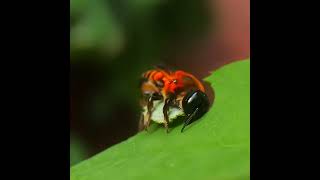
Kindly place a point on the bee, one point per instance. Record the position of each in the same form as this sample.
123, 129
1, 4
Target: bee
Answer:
175, 89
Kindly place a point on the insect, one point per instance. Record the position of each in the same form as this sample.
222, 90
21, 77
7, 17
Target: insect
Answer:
180, 93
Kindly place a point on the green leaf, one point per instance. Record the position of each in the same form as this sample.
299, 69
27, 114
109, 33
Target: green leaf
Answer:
215, 147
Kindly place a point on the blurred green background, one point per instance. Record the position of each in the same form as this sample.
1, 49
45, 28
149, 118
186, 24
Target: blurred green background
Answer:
114, 41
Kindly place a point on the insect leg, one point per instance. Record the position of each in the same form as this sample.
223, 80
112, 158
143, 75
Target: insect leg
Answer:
166, 106
149, 113
141, 124
149, 107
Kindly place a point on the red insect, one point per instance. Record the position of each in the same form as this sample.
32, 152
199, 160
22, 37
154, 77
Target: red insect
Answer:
175, 88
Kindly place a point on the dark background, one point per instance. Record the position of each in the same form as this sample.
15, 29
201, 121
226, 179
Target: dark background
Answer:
113, 42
